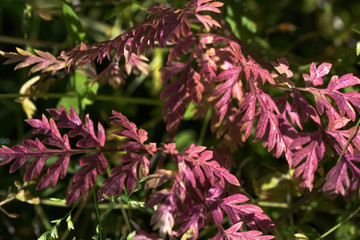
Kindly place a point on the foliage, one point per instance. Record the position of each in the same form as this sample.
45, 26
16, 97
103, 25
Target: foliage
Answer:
209, 69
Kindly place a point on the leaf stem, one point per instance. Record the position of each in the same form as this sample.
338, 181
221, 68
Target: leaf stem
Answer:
349, 140
296, 205
340, 223
104, 98
99, 227
126, 219
36, 43
204, 128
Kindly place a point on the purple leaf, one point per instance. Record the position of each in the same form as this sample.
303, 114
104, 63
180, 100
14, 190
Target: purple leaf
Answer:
87, 176
338, 181
163, 217
177, 100
44, 61
253, 71
231, 77
208, 21
125, 174
282, 66
56, 170
193, 219
316, 74
212, 169
234, 234
312, 153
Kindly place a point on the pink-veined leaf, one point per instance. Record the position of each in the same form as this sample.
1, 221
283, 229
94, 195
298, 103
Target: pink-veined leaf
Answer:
44, 61
163, 25
316, 74
231, 77
254, 72
203, 165
139, 136
125, 175
233, 233
207, 21
282, 66
338, 180
177, 97
163, 217
86, 130
192, 220
233, 206
344, 101
305, 160
206, 5
35, 149
306, 110
249, 107
87, 176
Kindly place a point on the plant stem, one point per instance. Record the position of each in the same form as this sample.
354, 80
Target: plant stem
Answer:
97, 215
75, 218
340, 223
44, 219
204, 128
126, 219
104, 98
349, 140
296, 205
36, 43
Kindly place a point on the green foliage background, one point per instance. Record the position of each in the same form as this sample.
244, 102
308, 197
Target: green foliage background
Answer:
302, 31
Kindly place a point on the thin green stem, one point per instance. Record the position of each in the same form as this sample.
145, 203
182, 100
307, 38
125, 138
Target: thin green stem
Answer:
44, 219
57, 203
104, 98
37, 95
349, 140
296, 205
126, 219
204, 127
99, 227
340, 223
142, 101
36, 43
291, 216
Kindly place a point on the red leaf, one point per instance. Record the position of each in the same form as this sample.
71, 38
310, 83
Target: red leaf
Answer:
234, 234
316, 74
44, 61
312, 153
212, 169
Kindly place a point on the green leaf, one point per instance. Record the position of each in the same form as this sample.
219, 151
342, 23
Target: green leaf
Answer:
67, 102
232, 21
44, 236
84, 89
54, 231
85, 92
131, 235
72, 22
358, 48
300, 236
184, 138
56, 221
70, 224
249, 24
189, 113
357, 28
134, 204
98, 228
